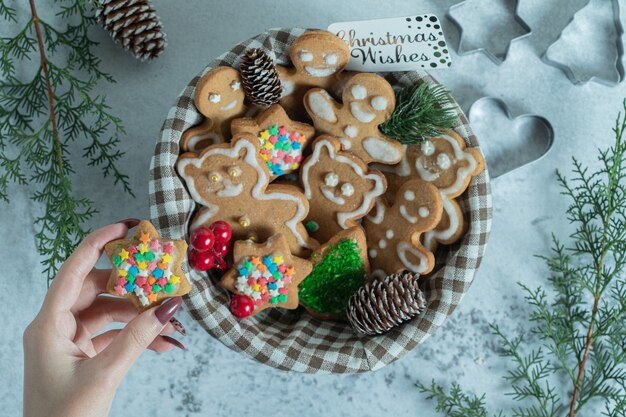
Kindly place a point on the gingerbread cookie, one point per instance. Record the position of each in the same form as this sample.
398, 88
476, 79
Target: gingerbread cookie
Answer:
267, 273
393, 232
339, 186
147, 267
282, 140
220, 98
318, 57
339, 269
368, 100
448, 164
231, 181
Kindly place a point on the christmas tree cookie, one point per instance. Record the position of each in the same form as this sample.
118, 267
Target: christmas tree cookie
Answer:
147, 267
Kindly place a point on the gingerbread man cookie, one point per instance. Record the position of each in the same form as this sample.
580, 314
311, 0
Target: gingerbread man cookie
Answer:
368, 100
339, 186
448, 164
393, 232
267, 273
231, 181
147, 267
220, 98
282, 140
318, 57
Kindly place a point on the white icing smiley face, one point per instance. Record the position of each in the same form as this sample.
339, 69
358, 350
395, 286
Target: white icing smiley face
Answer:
409, 210
365, 106
307, 55
226, 182
219, 93
333, 192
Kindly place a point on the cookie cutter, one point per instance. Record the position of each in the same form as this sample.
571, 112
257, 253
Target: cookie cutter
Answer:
508, 160
618, 65
497, 58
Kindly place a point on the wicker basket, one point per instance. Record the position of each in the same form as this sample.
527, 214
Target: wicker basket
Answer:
293, 340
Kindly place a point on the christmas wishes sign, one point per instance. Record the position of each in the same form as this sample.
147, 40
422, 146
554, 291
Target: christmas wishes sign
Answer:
394, 44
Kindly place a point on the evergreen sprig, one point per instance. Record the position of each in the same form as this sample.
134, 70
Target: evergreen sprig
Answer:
422, 112
44, 117
581, 319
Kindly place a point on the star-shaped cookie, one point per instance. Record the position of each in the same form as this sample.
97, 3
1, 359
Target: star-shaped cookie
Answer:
266, 272
147, 267
282, 139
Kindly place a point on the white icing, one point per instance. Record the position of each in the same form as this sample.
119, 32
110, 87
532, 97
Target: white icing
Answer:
424, 173
345, 143
360, 114
331, 59
320, 72
347, 190
389, 234
230, 189
305, 56
423, 211
287, 87
443, 161
380, 149
382, 243
351, 131
443, 235
380, 213
409, 195
330, 196
428, 148
358, 92
229, 106
235, 85
320, 104
214, 98
196, 139
258, 193
368, 196
379, 103
409, 218
331, 179
373, 253
403, 248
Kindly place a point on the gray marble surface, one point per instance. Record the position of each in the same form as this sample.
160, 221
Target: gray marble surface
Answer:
207, 378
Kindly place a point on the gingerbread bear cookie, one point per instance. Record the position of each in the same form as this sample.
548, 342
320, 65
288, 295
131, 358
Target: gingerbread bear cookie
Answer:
231, 181
368, 100
339, 186
220, 98
265, 275
448, 164
318, 58
282, 140
393, 232
147, 267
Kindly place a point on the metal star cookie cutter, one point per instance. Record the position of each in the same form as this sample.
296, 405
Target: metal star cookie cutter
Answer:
581, 77
502, 157
497, 57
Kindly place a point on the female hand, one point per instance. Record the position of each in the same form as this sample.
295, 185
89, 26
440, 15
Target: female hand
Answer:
67, 371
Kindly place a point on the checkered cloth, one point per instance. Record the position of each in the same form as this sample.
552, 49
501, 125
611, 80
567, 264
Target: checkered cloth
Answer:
291, 339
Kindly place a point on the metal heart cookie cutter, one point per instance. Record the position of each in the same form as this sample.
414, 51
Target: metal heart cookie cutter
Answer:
482, 39
588, 24
494, 124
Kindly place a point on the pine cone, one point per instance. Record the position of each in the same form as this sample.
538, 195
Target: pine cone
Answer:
379, 306
259, 78
135, 25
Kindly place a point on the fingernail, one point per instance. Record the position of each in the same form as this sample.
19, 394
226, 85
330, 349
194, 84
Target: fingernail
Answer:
174, 342
130, 222
167, 309
178, 326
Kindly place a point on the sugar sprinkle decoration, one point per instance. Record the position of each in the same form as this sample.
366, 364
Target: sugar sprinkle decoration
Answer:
281, 149
265, 279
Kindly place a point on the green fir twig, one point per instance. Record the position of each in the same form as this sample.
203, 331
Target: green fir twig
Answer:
41, 118
422, 112
581, 319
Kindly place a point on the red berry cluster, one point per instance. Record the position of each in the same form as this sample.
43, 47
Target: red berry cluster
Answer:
210, 245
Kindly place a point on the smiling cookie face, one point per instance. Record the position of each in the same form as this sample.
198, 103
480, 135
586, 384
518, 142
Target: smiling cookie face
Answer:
319, 54
219, 94
339, 187
370, 98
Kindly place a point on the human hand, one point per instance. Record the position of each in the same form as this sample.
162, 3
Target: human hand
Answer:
67, 371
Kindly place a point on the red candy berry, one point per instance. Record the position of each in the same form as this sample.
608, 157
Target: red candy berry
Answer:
202, 261
202, 239
221, 248
222, 231
219, 263
241, 306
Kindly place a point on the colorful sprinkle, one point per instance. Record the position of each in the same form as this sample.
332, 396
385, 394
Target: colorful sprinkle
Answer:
264, 279
280, 149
